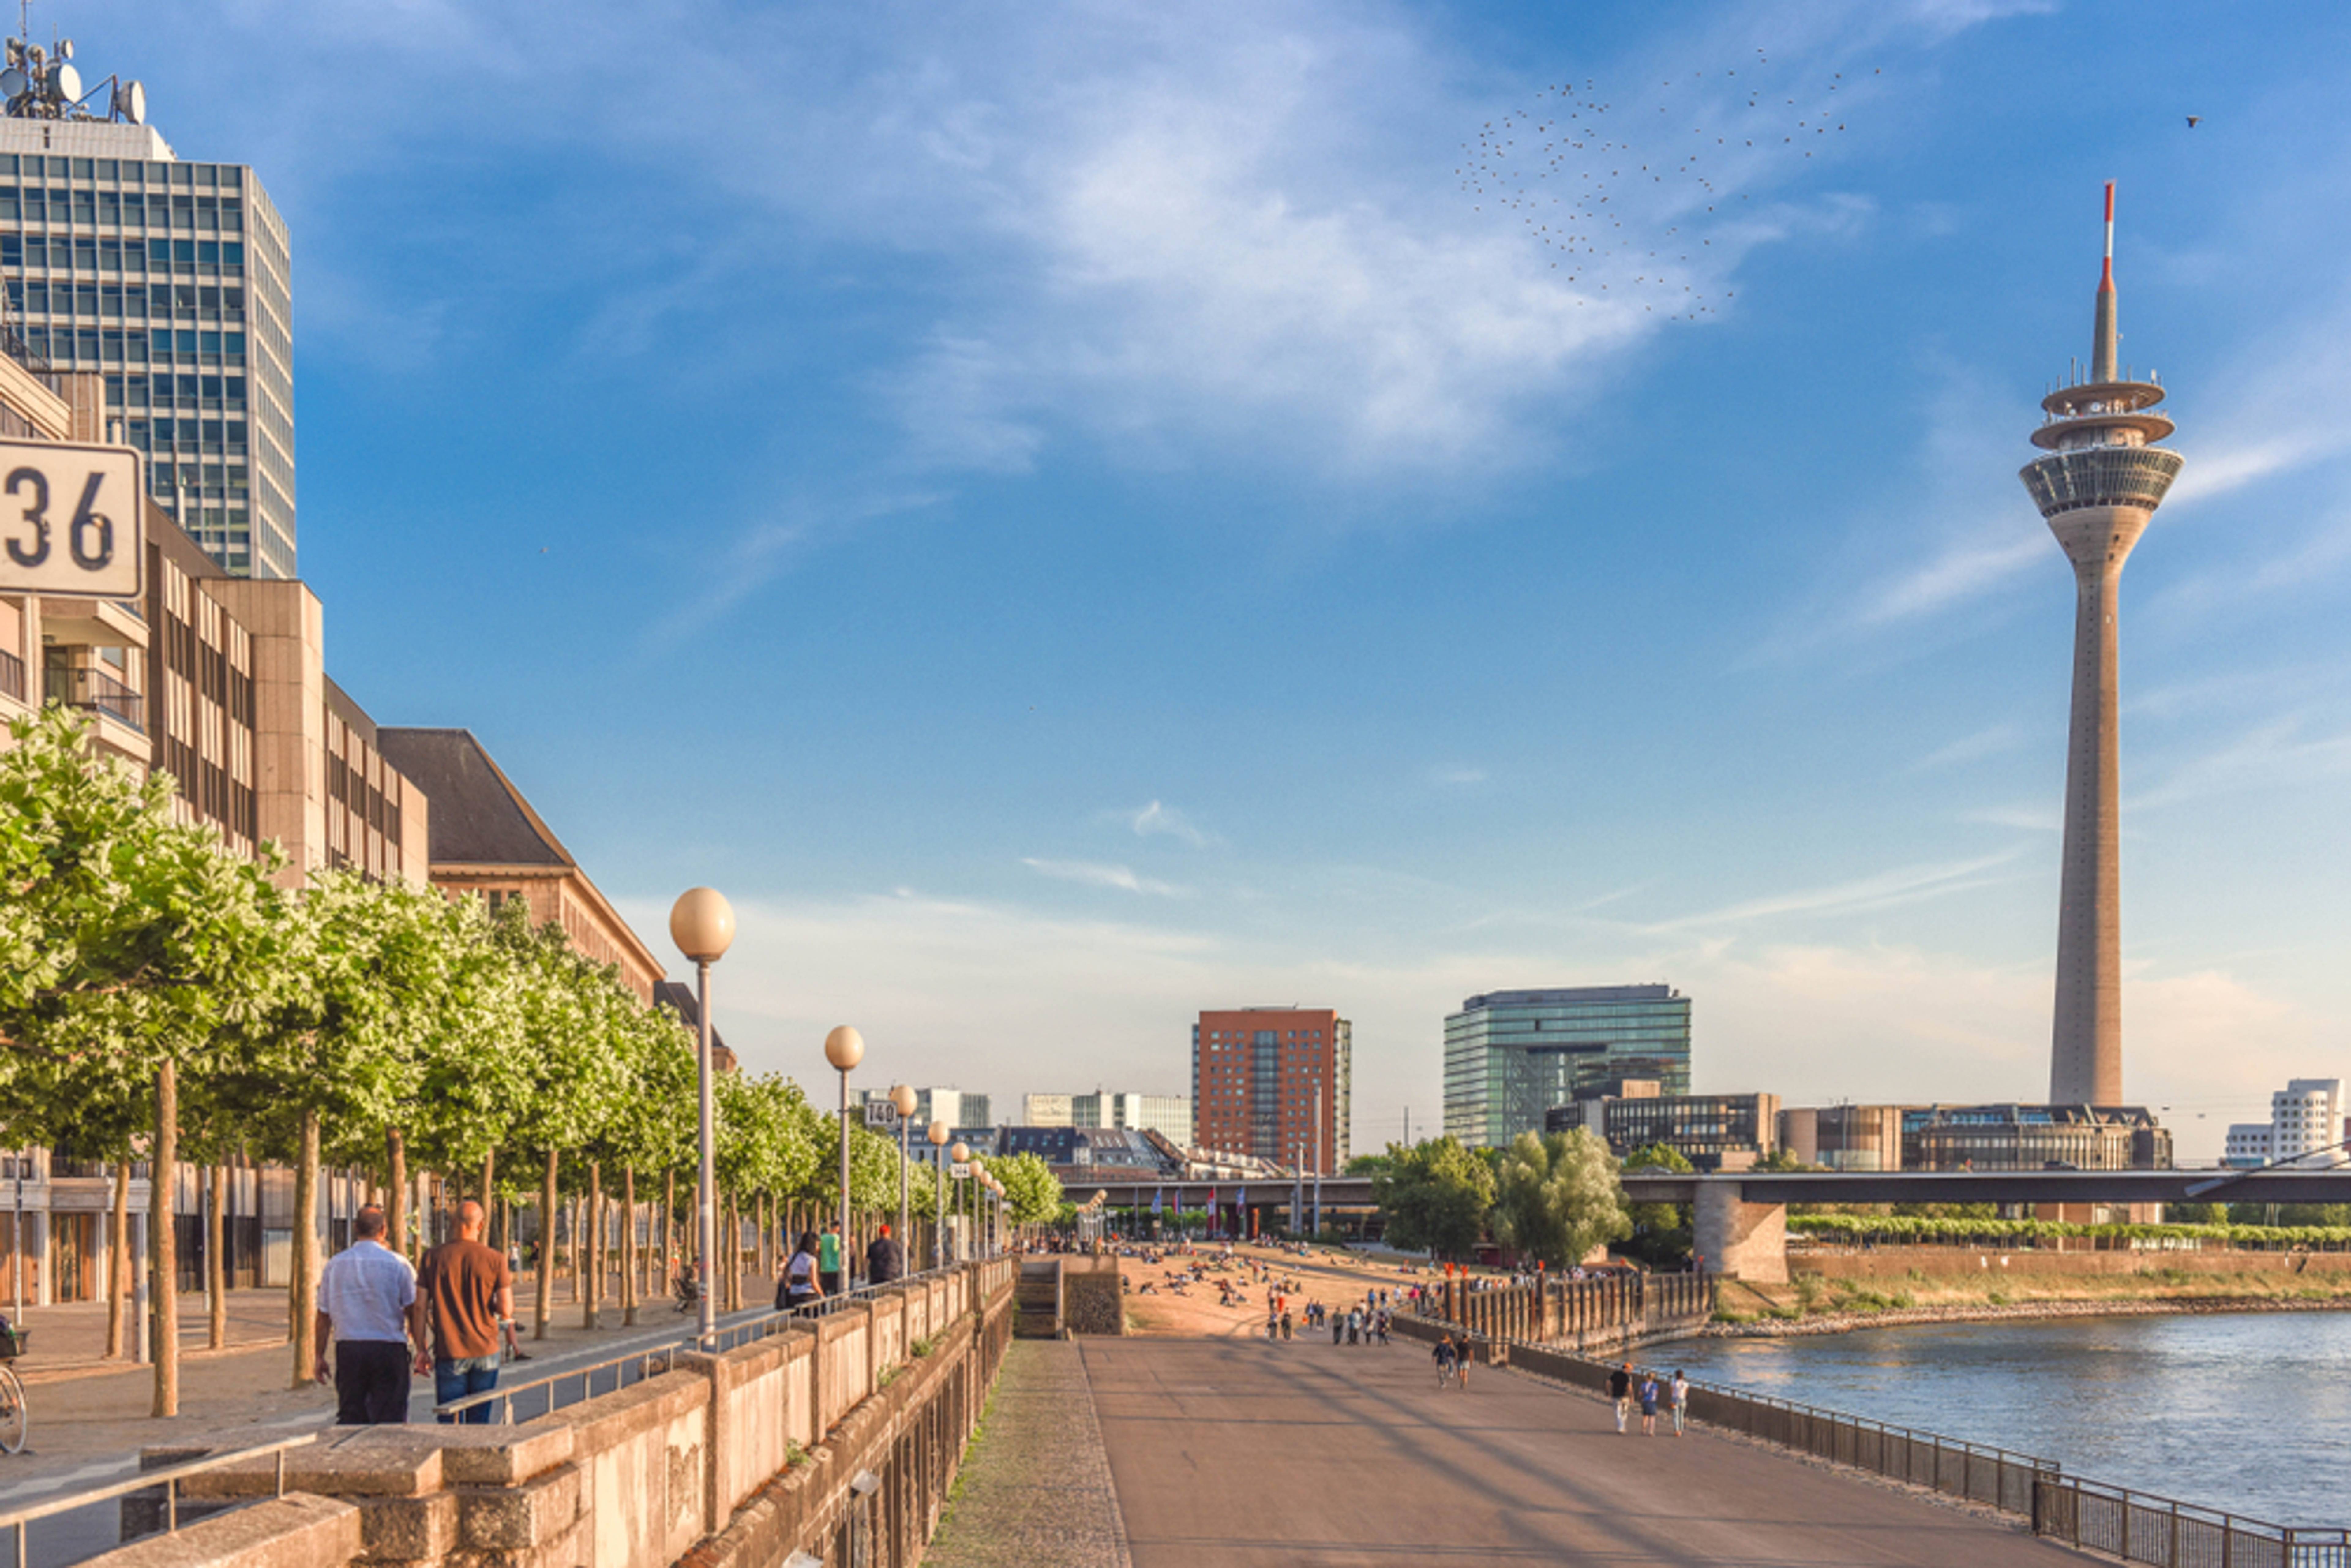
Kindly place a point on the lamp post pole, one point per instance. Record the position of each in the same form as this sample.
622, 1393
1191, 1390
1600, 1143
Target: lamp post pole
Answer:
903, 1097
702, 923
960, 1154
845, 1048
706, 1199
938, 1136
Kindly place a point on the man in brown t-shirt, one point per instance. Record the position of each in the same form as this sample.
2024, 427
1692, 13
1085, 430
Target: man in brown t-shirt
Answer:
466, 1290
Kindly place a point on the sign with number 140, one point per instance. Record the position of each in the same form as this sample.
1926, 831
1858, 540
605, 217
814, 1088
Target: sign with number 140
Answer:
69, 520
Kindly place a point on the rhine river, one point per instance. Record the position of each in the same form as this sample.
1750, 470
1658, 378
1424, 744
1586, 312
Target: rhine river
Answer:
2250, 1412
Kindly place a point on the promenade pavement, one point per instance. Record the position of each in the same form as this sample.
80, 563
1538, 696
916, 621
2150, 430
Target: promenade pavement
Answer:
1243, 1453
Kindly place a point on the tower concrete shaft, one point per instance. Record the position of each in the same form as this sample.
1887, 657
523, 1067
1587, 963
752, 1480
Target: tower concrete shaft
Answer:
2097, 489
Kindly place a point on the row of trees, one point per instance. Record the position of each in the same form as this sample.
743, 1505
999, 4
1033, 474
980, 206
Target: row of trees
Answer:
163, 999
1554, 1197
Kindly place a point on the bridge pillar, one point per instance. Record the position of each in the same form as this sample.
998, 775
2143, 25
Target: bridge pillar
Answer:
1741, 1239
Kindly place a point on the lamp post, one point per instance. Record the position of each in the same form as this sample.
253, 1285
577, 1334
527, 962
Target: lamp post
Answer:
959, 1154
845, 1048
903, 1097
938, 1136
702, 923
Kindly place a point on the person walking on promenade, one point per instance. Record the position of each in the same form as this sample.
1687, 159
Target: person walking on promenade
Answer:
1355, 1325
1465, 1353
884, 1262
368, 1311
828, 1261
1620, 1389
1443, 1358
1681, 1402
799, 1287
467, 1290
1337, 1328
1649, 1404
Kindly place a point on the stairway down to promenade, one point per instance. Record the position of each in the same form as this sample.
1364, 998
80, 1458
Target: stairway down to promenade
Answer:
1040, 1300
838, 1436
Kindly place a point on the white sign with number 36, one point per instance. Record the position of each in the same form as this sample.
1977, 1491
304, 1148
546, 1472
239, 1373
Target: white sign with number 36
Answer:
70, 520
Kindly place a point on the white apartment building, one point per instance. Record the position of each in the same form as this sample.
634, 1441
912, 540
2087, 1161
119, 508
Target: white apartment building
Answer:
1169, 1115
2307, 1121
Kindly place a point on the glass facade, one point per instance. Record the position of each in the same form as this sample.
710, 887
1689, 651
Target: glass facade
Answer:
171, 281
1511, 1056
2033, 1137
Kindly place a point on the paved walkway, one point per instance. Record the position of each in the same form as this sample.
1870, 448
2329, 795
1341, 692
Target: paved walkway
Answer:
1035, 1487
1241, 1454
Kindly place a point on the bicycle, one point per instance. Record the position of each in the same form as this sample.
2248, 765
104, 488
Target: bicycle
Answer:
12, 1391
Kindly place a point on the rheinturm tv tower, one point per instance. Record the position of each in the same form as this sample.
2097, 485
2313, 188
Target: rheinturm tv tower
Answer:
2101, 482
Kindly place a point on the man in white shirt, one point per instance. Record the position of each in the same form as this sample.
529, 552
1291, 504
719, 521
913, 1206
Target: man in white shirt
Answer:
368, 1311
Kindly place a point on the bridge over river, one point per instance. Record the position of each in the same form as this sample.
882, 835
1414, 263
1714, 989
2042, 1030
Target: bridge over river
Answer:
1741, 1216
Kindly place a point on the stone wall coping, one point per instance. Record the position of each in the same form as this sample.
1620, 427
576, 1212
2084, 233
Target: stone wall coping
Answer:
348, 1461
731, 1369
297, 1529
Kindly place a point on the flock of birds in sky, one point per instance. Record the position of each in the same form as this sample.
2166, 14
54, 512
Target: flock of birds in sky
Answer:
1590, 179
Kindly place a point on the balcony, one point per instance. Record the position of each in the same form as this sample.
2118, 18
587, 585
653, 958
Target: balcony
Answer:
96, 690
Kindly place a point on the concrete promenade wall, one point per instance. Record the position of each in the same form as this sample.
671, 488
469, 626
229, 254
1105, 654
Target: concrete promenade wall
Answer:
736, 1459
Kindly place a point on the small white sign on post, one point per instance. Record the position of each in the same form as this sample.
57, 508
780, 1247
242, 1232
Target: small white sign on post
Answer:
71, 520
959, 1169
881, 1114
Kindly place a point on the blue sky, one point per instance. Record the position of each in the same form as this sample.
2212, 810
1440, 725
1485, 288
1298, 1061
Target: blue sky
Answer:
1071, 514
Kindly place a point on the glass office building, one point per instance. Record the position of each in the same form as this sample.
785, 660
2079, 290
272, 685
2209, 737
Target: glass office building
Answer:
1511, 1056
169, 279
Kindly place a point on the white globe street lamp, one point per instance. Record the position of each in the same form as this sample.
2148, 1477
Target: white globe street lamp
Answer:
702, 923
845, 1048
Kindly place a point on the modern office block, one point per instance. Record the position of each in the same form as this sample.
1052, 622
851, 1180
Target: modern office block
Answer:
1511, 1056
1273, 1083
172, 281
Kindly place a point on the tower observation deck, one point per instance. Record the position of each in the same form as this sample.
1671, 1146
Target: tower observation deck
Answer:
2097, 489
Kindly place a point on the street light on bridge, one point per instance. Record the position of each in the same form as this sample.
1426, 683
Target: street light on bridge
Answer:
702, 923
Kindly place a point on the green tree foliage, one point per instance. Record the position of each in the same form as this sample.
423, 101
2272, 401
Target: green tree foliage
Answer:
1032, 1193
1434, 1197
1661, 1232
1558, 1197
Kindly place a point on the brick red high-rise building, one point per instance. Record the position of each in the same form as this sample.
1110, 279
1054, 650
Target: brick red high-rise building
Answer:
1272, 1083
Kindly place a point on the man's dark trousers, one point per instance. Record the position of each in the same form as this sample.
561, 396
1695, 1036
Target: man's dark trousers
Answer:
370, 1381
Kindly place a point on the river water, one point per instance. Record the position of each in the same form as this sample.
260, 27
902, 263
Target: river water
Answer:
2249, 1412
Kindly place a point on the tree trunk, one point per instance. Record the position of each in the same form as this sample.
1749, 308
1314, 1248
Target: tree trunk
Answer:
303, 1286
587, 1250
118, 1261
669, 1225
735, 1251
489, 1184
629, 1247
395, 1215
545, 1250
161, 1189
216, 1261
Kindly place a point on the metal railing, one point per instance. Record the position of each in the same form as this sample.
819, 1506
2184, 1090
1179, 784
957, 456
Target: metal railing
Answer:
2139, 1528
72, 686
614, 1373
2133, 1526
18, 1522
12, 675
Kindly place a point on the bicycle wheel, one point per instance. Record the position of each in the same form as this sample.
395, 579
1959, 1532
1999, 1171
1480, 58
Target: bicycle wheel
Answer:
12, 1412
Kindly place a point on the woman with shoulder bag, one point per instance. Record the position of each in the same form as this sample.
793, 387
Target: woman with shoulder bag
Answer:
799, 1289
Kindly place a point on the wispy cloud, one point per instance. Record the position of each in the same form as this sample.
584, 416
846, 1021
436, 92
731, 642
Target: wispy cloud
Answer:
1159, 819
2276, 755
1983, 743
1097, 873
2031, 818
1460, 776
1904, 885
